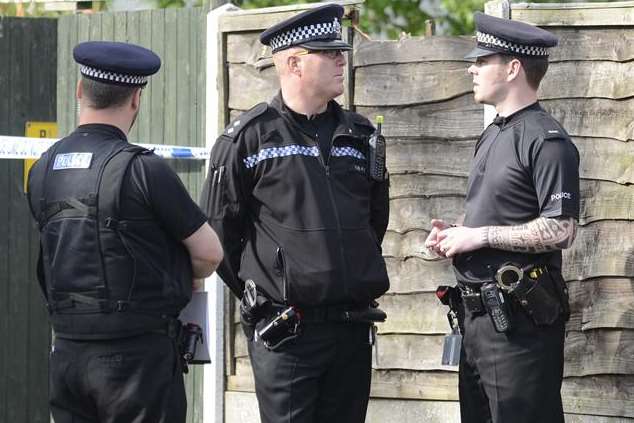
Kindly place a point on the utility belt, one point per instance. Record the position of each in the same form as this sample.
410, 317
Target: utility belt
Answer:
276, 324
542, 294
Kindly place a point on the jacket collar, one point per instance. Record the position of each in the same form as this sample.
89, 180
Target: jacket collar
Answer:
502, 121
345, 125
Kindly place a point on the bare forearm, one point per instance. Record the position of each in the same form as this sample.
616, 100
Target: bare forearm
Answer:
537, 236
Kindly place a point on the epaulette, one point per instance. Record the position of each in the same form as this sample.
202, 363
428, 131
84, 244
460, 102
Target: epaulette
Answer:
234, 128
552, 130
361, 120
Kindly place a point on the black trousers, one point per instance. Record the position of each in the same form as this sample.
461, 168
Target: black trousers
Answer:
321, 377
511, 378
130, 380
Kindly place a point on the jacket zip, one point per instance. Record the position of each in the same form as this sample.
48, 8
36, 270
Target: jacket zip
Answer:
326, 165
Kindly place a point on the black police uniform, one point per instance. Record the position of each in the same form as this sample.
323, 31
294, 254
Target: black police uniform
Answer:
113, 269
525, 166
296, 213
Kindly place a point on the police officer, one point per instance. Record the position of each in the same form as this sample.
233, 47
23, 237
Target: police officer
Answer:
290, 197
522, 207
121, 242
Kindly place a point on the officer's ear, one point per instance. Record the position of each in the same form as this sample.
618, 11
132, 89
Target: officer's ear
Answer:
294, 65
79, 91
513, 69
136, 99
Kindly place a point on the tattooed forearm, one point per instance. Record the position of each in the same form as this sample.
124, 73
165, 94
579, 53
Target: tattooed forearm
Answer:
538, 236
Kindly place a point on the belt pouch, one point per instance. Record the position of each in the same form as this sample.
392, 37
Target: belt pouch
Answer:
537, 300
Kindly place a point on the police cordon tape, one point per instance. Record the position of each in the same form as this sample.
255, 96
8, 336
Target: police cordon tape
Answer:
32, 148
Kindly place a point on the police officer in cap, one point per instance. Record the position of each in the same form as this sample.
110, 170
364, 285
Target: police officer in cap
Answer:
522, 208
121, 243
301, 221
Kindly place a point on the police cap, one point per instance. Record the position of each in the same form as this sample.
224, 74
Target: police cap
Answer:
497, 35
116, 63
314, 29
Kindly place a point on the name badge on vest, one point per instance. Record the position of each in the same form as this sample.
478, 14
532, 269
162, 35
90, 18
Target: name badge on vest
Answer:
72, 161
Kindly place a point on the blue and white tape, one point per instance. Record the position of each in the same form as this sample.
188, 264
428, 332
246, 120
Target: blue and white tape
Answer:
32, 148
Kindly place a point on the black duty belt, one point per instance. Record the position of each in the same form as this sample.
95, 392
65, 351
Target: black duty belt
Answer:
350, 313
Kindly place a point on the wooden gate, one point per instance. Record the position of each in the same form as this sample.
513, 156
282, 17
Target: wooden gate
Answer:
27, 84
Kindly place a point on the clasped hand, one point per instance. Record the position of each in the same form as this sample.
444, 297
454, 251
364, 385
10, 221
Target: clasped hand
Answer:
447, 240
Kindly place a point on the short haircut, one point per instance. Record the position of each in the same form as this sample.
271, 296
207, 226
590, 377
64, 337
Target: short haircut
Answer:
103, 96
534, 67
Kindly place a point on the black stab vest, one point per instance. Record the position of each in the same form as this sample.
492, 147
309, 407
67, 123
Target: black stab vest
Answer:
103, 276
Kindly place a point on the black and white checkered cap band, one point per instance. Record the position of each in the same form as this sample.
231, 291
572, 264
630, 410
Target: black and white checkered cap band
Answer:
112, 76
326, 30
488, 40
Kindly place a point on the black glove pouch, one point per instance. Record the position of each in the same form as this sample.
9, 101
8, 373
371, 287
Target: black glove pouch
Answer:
538, 297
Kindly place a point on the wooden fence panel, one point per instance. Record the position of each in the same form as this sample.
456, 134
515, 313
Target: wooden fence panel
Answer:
27, 84
172, 105
421, 87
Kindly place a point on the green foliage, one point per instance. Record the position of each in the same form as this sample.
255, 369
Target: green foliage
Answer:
458, 19
390, 19
379, 18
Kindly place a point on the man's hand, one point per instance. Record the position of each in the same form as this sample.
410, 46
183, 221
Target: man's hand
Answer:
460, 239
431, 243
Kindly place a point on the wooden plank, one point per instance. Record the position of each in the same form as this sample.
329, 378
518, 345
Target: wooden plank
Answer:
412, 213
601, 249
602, 79
587, 353
409, 351
601, 158
601, 303
108, 25
240, 342
459, 118
407, 384
263, 85
260, 19
603, 395
425, 186
429, 156
616, 44
600, 200
595, 396
242, 407
156, 112
170, 72
94, 27
576, 418
132, 34
416, 274
63, 58
419, 313
594, 117
411, 83
597, 250
601, 351
143, 127
606, 159
575, 14
17, 337
381, 411
596, 304
412, 50
121, 27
